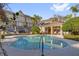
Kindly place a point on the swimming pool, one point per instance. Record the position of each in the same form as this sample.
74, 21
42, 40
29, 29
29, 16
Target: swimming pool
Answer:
35, 42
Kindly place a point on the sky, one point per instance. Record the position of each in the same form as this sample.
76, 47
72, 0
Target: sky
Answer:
45, 10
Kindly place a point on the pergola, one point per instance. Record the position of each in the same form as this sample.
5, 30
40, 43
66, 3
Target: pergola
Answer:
54, 28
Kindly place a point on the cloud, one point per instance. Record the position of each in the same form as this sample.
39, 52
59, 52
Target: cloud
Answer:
60, 7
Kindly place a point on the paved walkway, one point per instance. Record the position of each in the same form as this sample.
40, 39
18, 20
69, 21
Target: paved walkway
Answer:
72, 50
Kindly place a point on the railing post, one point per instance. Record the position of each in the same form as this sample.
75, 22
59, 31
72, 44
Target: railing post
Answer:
42, 54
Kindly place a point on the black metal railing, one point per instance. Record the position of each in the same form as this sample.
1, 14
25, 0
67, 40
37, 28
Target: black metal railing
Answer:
42, 46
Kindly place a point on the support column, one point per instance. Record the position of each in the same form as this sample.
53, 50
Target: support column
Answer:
51, 30
61, 32
43, 29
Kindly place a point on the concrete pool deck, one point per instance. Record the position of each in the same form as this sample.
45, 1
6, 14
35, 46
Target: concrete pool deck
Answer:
72, 50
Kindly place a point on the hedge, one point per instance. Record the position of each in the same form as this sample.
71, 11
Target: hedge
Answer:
71, 37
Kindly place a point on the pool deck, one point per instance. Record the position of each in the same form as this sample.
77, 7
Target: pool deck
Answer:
72, 50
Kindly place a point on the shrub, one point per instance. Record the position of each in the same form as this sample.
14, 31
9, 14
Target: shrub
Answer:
35, 29
72, 37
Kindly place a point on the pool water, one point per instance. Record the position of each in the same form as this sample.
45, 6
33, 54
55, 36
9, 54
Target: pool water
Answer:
35, 42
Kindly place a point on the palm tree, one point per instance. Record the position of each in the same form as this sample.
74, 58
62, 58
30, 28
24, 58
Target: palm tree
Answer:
36, 19
74, 9
67, 17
